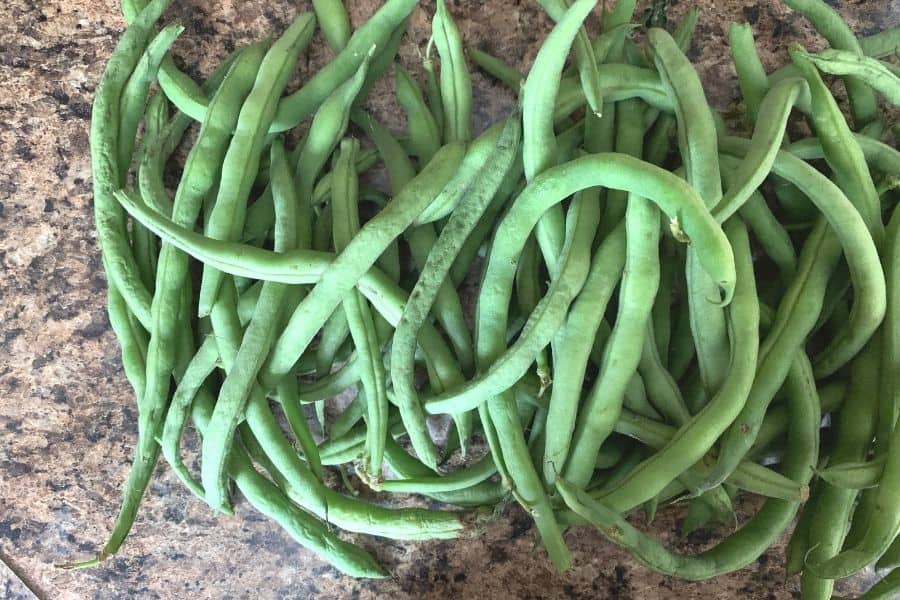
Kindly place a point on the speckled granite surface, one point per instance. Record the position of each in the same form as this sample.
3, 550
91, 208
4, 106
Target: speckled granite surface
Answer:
67, 421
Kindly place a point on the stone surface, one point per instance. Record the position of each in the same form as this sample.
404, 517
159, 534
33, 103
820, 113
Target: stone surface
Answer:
67, 416
11, 586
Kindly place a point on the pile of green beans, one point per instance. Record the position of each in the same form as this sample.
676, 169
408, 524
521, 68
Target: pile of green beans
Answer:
609, 301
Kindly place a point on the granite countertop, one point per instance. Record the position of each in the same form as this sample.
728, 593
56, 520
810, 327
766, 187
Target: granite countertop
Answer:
67, 416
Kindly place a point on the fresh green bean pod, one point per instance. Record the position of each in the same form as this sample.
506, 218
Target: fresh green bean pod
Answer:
241, 161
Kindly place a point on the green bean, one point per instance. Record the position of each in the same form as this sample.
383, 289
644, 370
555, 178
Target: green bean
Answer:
621, 14
295, 107
889, 404
877, 128
539, 94
447, 304
828, 24
682, 85
881, 44
842, 153
662, 389
699, 515
774, 110
334, 22
134, 352
133, 360
448, 307
697, 143
484, 493
831, 396
182, 91
798, 545
528, 294
433, 274
242, 158
118, 260
333, 336
682, 351
627, 139
455, 85
585, 59
424, 133
635, 398
199, 368
622, 354
583, 217
345, 448
343, 273
261, 214
527, 489
802, 302
879, 155
331, 385
254, 346
618, 472
299, 482
273, 502
770, 234
450, 482
869, 504
765, 226
142, 465
854, 475
673, 196
661, 314
198, 179
804, 297
490, 344
748, 475
497, 69
173, 82
740, 548
657, 145
509, 188
287, 394
328, 127
611, 452
433, 88
870, 71
618, 82
750, 71
537, 434
385, 56
694, 439
835, 207
891, 558
834, 506
131, 340
359, 316
152, 158
134, 95
349, 417
880, 522
477, 153
150, 163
